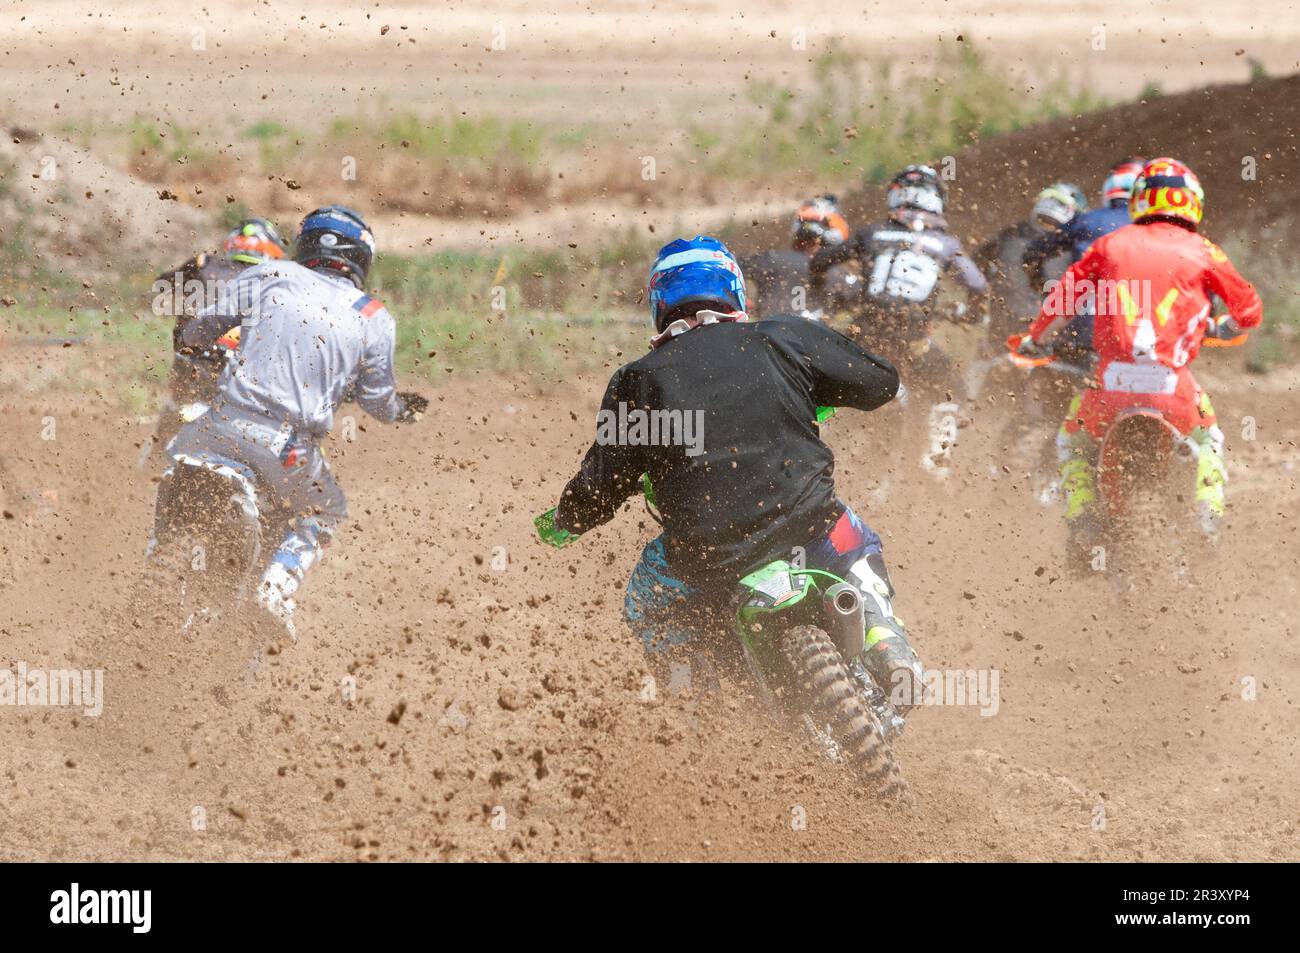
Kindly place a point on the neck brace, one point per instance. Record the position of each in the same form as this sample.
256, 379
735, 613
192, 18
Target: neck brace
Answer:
682, 325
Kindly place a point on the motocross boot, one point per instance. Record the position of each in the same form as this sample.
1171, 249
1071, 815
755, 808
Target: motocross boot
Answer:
889, 657
1076, 453
1078, 485
1211, 475
893, 663
275, 595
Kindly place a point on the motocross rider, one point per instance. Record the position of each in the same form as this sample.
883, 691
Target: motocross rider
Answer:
1073, 237
778, 279
903, 260
758, 484
1011, 292
1149, 285
184, 291
309, 337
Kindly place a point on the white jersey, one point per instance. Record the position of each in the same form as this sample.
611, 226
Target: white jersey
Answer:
306, 341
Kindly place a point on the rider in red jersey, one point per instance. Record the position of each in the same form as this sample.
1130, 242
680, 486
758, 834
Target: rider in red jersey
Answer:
1150, 283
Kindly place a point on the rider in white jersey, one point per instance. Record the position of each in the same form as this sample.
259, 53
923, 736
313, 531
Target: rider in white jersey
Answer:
308, 337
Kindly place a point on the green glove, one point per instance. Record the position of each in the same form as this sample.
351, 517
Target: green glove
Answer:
552, 534
824, 414
648, 489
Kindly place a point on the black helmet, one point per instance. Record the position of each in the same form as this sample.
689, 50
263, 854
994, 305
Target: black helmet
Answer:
917, 187
336, 238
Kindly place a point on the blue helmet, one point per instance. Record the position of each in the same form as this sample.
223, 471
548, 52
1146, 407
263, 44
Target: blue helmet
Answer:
695, 271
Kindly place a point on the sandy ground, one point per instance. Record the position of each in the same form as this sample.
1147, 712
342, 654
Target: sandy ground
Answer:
578, 60
515, 694
499, 707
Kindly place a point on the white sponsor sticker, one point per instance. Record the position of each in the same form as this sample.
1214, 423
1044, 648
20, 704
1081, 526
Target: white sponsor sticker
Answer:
1145, 378
776, 586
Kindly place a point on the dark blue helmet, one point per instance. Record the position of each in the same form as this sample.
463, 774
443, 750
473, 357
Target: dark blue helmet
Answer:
336, 238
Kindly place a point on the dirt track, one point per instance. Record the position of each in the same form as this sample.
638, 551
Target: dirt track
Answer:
522, 690
515, 693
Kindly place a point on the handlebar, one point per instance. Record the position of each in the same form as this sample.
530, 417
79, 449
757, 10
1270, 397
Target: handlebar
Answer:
1021, 360
1216, 327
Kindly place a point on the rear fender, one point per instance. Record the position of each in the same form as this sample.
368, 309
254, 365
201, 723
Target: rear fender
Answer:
774, 588
240, 476
1136, 432
228, 485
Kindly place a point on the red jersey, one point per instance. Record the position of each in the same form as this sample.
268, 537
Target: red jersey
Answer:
1150, 286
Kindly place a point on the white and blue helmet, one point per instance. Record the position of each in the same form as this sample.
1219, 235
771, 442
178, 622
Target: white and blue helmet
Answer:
694, 271
917, 187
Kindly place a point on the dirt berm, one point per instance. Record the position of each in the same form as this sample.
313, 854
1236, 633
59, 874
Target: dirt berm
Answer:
1240, 139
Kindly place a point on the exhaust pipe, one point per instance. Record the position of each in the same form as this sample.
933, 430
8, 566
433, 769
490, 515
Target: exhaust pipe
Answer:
845, 615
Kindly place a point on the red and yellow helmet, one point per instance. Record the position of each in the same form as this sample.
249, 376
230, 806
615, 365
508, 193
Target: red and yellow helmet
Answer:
1169, 189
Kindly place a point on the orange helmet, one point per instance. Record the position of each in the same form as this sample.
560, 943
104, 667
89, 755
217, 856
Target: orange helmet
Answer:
1169, 189
819, 222
254, 241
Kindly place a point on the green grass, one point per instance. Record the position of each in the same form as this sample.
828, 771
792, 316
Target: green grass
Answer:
1270, 268
865, 121
168, 142
275, 143
446, 305
117, 353
464, 140
112, 343
459, 142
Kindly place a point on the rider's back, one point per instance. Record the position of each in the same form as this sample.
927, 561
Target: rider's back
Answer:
756, 479
307, 340
201, 280
904, 265
1000, 258
1156, 281
1086, 227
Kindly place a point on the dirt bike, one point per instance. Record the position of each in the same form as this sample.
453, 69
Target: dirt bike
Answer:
1144, 470
921, 425
802, 635
205, 556
191, 610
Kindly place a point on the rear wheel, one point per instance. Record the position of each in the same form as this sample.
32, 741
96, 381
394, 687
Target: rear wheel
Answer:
1155, 532
826, 694
206, 546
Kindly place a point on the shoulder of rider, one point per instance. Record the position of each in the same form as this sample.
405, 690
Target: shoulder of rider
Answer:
187, 270
369, 307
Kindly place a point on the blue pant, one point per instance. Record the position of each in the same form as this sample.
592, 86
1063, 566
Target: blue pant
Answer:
658, 606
